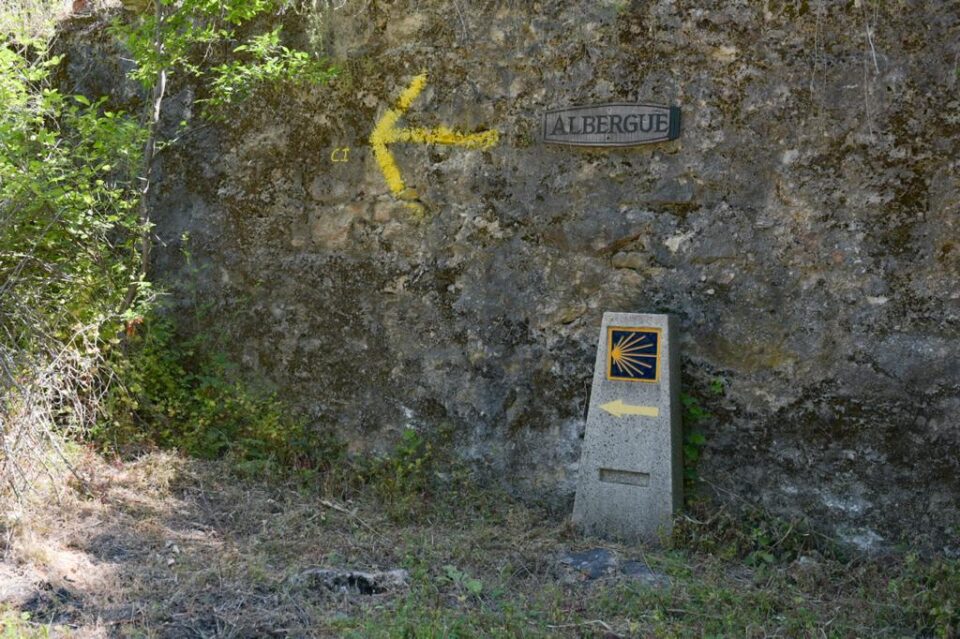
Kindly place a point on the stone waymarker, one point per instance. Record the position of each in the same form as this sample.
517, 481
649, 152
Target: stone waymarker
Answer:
630, 467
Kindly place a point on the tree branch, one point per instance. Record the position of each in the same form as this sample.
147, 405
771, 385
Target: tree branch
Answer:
149, 154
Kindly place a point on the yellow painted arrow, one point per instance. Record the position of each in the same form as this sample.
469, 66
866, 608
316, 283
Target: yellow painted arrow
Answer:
618, 408
386, 132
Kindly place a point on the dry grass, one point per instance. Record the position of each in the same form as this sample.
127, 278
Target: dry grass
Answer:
165, 546
169, 547
33, 17
48, 396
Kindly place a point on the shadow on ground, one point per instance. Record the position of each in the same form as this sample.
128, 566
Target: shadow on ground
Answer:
169, 547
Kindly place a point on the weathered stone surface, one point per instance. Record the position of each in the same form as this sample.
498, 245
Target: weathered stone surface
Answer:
803, 229
642, 573
590, 564
602, 563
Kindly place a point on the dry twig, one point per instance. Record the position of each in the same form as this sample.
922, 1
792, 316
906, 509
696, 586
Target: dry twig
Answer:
351, 513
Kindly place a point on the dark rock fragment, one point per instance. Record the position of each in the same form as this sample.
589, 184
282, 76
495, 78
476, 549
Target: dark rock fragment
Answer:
352, 582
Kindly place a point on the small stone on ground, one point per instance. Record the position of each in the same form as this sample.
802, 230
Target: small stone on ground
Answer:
600, 562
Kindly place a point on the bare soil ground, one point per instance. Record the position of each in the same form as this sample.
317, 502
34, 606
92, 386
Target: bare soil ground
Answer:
169, 547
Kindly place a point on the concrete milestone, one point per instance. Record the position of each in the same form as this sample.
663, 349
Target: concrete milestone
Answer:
630, 480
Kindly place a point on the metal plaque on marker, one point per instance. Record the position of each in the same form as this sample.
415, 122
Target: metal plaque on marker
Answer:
630, 477
618, 124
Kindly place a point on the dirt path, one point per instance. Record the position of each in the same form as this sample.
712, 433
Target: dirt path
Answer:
180, 548
168, 547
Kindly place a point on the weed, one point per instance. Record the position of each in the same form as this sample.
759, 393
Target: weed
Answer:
694, 416
420, 474
401, 478
462, 581
694, 440
930, 592
17, 625
752, 535
179, 394
718, 386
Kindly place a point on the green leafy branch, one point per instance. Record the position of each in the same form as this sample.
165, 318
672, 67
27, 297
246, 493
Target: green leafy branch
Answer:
266, 62
693, 417
178, 39
183, 35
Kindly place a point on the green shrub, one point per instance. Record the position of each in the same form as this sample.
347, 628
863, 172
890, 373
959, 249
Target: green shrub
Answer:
930, 594
75, 242
266, 63
750, 534
402, 478
181, 38
692, 417
68, 250
420, 473
178, 392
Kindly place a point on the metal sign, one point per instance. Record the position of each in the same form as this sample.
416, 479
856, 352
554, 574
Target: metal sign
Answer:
633, 354
619, 124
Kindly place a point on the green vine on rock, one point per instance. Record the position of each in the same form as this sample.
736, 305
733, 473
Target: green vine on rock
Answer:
694, 416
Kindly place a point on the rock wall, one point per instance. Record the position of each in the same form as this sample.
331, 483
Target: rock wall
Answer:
804, 228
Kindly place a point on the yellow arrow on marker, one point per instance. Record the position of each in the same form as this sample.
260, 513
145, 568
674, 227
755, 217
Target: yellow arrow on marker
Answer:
618, 409
386, 132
